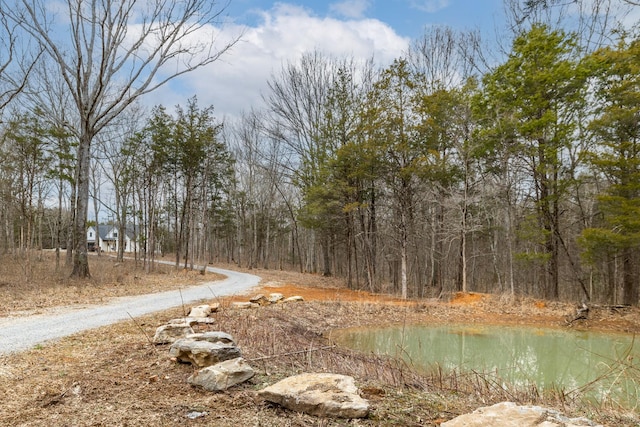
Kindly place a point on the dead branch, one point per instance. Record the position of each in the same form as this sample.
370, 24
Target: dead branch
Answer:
582, 313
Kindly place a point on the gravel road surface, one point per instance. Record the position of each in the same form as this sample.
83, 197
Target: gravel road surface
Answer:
21, 333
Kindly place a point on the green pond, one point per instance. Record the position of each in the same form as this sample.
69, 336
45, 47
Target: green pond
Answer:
517, 356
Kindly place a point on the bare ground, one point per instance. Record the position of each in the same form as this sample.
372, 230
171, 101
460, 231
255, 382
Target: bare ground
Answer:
115, 376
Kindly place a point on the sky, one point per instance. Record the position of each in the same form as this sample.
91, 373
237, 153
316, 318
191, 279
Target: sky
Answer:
279, 32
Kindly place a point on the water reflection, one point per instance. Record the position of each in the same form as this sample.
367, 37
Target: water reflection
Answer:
519, 356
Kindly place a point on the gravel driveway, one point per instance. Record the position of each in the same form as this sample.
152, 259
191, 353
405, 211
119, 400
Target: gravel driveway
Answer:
22, 333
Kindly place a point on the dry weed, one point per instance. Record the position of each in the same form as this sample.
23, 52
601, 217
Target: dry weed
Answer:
114, 376
31, 283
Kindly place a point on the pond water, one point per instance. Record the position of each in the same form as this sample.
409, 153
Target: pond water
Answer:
518, 356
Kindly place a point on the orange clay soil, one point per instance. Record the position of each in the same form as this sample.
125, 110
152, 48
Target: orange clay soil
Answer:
458, 308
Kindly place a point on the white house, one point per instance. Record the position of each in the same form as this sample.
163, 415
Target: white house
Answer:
106, 239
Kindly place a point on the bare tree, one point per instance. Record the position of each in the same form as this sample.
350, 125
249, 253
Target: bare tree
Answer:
259, 183
594, 21
46, 88
16, 60
296, 100
440, 57
110, 53
114, 163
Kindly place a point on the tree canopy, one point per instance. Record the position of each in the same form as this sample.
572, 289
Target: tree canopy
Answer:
441, 171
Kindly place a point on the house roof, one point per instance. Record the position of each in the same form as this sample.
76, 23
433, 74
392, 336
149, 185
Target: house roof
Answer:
104, 229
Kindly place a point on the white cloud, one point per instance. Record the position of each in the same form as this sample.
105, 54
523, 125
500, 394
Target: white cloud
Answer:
350, 8
430, 6
237, 81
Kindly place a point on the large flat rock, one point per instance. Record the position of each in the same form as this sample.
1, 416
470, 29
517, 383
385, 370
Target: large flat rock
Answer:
222, 375
322, 395
508, 414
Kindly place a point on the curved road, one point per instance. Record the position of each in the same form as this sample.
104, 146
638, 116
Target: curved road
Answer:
22, 333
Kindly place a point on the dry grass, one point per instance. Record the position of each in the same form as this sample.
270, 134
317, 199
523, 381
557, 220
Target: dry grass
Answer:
113, 376
32, 284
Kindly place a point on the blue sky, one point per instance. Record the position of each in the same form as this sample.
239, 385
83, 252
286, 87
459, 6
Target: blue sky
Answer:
279, 32
406, 17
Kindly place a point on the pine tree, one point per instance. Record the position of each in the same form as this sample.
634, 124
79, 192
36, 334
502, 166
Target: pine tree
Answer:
616, 157
534, 96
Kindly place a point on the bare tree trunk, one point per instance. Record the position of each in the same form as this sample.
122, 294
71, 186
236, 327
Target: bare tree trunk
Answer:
58, 237
610, 280
326, 254
462, 272
437, 248
253, 257
177, 226
629, 287
80, 260
267, 252
185, 223
151, 229
71, 224
122, 229
403, 254
96, 208
462, 279
509, 233
350, 248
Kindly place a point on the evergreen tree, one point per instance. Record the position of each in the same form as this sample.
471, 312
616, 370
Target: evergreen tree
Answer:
534, 95
616, 157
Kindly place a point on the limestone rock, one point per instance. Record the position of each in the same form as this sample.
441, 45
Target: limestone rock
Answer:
200, 311
222, 375
244, 305
323, 395
295, 298
203, 353
170, 333
193, 320
212, 336
275, 297
508, 414
259, 299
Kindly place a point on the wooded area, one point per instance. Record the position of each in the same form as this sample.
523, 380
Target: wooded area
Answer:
443, 171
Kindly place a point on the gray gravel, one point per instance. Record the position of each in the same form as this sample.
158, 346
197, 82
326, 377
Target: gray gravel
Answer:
21, 333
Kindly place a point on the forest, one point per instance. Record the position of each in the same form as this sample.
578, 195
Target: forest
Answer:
463, 165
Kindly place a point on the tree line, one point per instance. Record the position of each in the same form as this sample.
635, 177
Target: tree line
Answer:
444, 171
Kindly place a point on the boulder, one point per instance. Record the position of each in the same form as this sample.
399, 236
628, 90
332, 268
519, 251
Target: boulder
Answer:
322, 395
295, 298
200, 311
508, 414
222, 375
212, 336
244, 305
203, 353
275, 297
166, 334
